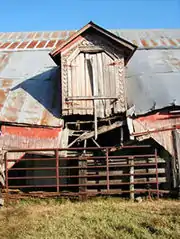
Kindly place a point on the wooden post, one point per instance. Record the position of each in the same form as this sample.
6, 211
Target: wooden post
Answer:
6, 176
176, 161
107, 169
131, 188
83, 172
57, 170
157, 181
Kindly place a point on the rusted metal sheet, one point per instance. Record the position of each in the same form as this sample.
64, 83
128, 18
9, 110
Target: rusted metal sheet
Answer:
28, 137
29, 83
142, 38
159, 127
13, 137
149, 74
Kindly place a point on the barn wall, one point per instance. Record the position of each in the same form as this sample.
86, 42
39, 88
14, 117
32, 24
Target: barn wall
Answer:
33, 138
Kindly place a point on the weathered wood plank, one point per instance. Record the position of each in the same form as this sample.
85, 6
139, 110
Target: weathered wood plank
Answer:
100, 130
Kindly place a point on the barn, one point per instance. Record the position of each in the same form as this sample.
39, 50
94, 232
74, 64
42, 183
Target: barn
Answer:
90, 112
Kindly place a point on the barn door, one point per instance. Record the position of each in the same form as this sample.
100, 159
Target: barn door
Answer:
93, 77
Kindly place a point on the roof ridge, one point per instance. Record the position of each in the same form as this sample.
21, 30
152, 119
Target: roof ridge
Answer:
109, 29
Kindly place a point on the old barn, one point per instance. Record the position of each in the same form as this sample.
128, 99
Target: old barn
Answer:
90, 112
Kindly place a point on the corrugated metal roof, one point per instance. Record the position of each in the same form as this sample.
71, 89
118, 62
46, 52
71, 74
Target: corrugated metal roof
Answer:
29, 77
36, 40
153, 79
29, 88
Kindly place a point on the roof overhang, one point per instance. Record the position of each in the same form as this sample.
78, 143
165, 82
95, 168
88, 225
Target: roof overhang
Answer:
127, 46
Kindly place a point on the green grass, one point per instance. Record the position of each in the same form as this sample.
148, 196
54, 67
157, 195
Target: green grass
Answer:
99, 218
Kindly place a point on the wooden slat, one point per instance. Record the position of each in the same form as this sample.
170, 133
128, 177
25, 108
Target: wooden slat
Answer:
89, 86
100, 83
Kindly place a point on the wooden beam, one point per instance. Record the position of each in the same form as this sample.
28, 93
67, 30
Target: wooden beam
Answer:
73, 142
91, 98
94, 141
101, 130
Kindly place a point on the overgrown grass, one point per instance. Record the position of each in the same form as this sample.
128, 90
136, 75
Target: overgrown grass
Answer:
100, 218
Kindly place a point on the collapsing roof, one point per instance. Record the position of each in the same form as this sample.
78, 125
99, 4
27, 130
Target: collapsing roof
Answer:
153, 80
29, 77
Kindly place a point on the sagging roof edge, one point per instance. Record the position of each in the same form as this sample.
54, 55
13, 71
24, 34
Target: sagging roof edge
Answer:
29, 125
131, 111
56, 52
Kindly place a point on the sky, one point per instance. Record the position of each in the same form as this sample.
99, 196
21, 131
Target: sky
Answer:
44, 15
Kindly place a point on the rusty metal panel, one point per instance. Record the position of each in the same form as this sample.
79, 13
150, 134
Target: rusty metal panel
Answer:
23, 71
29, 93
158, 126
13, 137
148, 39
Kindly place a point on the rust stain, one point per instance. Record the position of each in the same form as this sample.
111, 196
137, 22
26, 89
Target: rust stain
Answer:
3, 96
4, 60
51, 43
32, 44
154, 43
172, 42
6, 83
31, 132
14, 45
157, 117
163, 42
59, 43
71, 43
6, 44
23, 44
144, 43
41, 44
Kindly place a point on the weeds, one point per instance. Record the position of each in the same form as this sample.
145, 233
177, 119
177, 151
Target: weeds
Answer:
99, 219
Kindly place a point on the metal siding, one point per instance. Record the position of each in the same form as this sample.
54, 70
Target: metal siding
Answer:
27, 137
156, 122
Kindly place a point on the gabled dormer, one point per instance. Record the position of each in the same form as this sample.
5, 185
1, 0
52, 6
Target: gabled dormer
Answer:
92, 63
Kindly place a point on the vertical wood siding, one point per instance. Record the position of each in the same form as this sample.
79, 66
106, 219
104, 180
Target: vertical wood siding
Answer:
95, 75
